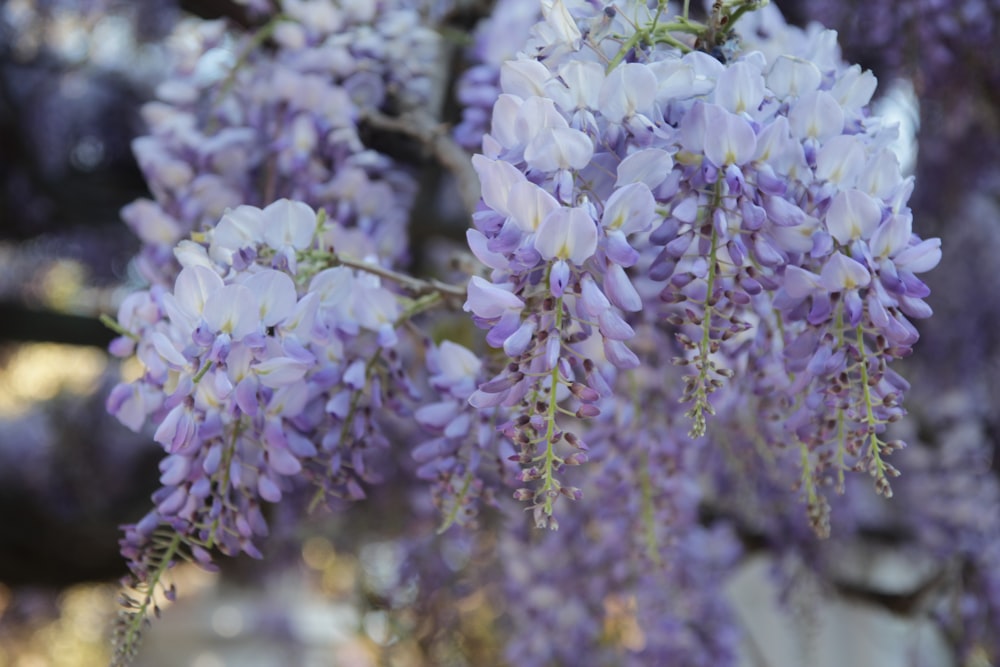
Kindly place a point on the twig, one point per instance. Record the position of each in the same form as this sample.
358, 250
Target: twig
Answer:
416, 285
435, 138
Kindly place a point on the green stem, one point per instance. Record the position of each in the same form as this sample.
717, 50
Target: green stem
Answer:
424, 303
807, 476
112, 324
456, 505
550, 418
873, 439
748, 5
657, 34
625, 48
649, 511
701, 405
841, 437
416, 285
137, 620
201, 373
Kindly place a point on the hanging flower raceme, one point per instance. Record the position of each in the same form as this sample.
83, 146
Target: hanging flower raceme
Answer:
250, 118
466, 457
268, 363
744, 185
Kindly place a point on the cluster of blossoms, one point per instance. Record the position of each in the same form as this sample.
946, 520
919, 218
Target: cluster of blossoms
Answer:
269, 362
250, 118
674, 224
647, 571
765, 200
464, 441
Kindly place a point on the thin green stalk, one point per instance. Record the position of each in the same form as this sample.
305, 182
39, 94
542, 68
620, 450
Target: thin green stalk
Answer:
549, 460
135, 623
112, 324
201, 373
874, 443
649, 511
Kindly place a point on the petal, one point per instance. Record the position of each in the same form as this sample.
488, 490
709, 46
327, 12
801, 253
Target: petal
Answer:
239, 228
854, 88
580, 86
799, 283
881, 174
852, 215
620, 290
268, 489
559, 276
174, 469
730, 139
276, 294
618, 249
650, 166
611, 324
817, 115
558, 18
792, 77
282, 461
529, 204
567, 233
435, 416
843, 273
168, 351
555, 148
919, 258
458, 362
630, 208
740, 88
497, 178
503, 125
233, 310
592, 298
619, 354
192, 288
280, 371
840, 160
489, 301
478, 245
289, 223
516, 344
892, 235
524, 78
628, 90
126, 402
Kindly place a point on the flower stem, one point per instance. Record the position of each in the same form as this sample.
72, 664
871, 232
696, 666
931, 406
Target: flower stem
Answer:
416, 285
139, 617
550, 428
112, 324
874, 443
648, 511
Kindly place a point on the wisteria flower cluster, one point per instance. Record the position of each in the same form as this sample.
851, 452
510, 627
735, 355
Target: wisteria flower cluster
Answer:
774, 206
250, 118
270, 361
692, 236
